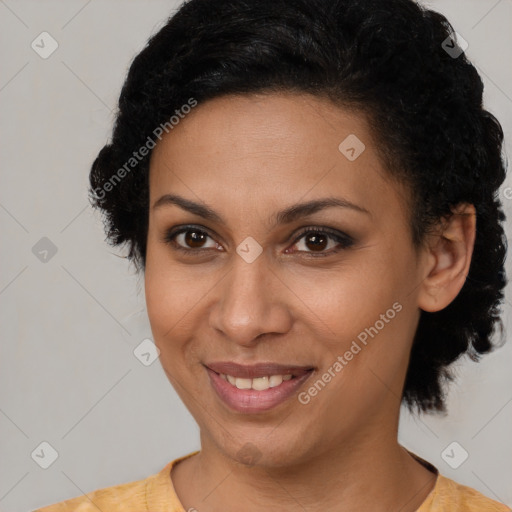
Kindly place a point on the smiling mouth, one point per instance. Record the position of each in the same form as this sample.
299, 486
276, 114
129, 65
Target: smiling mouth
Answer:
259, 383
256, 388
258, 370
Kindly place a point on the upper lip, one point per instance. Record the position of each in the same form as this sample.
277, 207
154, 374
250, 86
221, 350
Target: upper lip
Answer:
257, 370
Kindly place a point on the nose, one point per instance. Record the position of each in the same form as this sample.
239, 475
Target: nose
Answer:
251, 301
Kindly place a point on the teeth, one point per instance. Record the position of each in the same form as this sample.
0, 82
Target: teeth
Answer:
258, 384
275, 380
243, 383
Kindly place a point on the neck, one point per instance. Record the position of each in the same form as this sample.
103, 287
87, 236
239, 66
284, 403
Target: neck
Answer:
368, 473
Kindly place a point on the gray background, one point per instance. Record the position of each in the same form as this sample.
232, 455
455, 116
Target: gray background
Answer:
69, 325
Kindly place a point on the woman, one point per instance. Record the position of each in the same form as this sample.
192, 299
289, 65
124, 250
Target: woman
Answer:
309, 187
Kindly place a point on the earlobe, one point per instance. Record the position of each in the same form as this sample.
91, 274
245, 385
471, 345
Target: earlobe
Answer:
448, 259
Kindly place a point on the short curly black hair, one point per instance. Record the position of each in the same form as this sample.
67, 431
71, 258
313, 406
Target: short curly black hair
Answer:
393, 60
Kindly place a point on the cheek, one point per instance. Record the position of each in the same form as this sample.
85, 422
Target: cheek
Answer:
170, 291
175, 299
170, 303
167, 299
364, 301
351, 296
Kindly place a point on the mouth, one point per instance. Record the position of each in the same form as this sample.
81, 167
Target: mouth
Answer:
256, 388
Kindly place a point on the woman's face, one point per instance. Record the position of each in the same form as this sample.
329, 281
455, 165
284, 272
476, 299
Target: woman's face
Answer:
336, 309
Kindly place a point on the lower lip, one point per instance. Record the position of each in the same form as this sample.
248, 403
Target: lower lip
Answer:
250, 400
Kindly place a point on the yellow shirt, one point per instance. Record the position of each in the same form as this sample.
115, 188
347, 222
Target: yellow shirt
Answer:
156, 494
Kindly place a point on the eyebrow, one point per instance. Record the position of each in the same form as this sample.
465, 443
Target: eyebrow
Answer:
285, 216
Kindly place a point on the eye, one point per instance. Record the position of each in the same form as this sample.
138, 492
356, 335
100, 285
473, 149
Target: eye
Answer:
189, 239
315, 240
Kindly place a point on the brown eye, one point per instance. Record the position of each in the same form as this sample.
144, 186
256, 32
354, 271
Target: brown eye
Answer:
315, 241
195, 239
189, 239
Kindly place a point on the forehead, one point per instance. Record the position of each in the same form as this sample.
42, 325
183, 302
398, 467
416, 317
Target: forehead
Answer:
270, 148
273, 121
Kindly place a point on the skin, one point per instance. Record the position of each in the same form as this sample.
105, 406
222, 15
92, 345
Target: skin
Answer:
247, 157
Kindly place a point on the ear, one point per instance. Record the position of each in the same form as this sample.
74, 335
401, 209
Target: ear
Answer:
448, 258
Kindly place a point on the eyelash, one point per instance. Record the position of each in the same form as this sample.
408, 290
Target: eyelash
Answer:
344, 240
